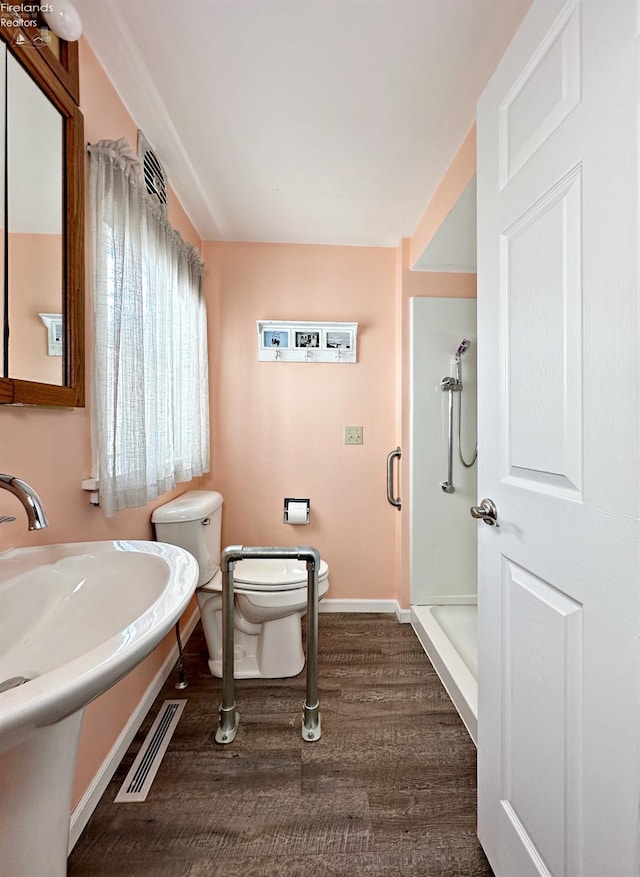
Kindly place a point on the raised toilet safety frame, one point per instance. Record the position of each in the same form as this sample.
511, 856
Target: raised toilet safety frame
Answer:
228, 716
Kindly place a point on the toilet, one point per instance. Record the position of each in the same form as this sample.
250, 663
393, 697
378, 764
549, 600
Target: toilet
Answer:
270, 596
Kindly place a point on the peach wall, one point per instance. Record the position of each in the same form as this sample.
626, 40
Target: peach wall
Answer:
278, 427
35, 281
51, 450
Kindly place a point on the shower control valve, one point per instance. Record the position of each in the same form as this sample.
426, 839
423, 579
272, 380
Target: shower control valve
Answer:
451, 385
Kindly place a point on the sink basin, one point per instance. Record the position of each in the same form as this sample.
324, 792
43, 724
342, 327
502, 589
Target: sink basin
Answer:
74, 619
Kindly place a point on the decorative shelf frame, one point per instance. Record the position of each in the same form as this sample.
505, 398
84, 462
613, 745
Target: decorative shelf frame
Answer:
306, 341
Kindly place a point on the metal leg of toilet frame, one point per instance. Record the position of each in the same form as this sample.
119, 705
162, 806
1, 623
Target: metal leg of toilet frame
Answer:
228, 716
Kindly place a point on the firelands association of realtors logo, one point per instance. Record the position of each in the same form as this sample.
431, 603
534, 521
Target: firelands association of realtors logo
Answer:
26, 19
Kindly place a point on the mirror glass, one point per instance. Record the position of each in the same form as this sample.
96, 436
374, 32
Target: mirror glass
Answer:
4, 316
34, 238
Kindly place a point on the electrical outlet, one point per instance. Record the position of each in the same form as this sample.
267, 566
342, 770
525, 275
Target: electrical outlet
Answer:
353, 435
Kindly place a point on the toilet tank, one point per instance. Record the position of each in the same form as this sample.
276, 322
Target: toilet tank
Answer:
193, 521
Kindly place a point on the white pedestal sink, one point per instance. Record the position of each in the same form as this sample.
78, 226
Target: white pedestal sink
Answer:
74, 619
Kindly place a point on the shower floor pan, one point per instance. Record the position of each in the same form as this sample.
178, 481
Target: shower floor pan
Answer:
449, 636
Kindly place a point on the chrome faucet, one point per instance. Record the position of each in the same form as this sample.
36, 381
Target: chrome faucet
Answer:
29, 499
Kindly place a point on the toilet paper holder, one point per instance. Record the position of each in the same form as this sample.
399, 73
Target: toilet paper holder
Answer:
296, 510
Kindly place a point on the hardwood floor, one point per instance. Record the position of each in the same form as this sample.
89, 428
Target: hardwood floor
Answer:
388, 791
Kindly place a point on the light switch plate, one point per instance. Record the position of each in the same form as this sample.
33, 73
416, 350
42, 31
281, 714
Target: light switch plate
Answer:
353, 435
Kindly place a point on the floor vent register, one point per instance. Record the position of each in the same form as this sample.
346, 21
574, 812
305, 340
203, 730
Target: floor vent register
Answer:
143, 771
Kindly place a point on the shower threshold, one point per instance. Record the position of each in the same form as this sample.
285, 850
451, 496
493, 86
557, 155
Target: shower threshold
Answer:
449, 636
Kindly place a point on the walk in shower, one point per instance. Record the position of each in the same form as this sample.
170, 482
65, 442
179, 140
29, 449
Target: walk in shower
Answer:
443, 535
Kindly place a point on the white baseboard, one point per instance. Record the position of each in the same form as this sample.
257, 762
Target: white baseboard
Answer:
391, 607
90, 799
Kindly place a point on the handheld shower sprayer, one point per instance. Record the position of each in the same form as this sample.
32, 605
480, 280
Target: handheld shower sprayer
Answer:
451, 386
464, 345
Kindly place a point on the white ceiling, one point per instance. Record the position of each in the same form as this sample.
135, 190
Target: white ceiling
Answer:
311, 121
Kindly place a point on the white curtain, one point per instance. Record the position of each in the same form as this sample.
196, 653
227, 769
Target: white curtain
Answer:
150, 372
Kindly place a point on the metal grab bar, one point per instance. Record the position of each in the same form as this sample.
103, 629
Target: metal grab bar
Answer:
394, 500
228, 716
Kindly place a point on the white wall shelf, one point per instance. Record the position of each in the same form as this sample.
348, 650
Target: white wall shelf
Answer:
306, 341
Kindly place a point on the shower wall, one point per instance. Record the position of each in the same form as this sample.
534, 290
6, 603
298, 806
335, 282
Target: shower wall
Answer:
443, 535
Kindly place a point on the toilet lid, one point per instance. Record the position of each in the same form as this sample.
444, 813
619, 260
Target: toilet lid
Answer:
274, 574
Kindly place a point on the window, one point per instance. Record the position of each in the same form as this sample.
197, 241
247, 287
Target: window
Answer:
151, 397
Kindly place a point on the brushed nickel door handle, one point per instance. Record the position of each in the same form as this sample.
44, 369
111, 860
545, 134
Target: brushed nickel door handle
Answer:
486, 512
394, 500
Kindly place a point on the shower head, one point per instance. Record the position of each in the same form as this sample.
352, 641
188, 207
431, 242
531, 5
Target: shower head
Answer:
464, 345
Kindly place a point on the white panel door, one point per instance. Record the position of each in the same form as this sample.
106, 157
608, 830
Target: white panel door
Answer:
558, 377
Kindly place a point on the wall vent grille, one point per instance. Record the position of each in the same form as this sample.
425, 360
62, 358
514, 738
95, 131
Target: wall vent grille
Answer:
155, 178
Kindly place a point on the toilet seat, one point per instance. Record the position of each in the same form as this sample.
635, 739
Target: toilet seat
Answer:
274, 575
284, 599
271, 586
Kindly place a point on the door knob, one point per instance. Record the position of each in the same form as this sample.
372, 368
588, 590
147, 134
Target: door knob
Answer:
486, 512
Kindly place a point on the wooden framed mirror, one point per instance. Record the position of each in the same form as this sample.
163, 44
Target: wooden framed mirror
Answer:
41, 221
